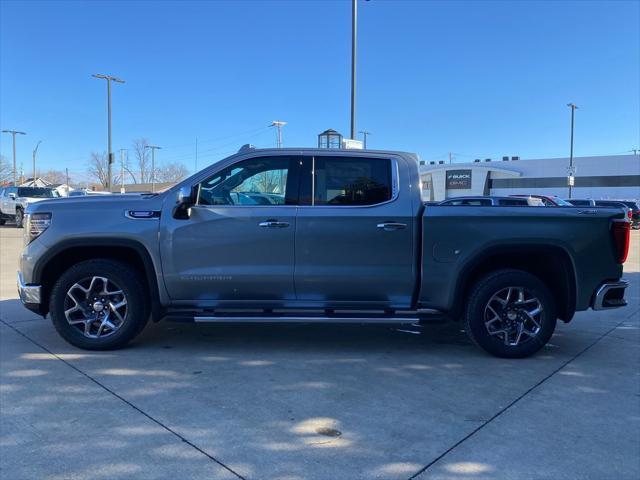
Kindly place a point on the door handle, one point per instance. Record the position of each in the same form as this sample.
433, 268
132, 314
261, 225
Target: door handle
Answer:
390, 226
273, 224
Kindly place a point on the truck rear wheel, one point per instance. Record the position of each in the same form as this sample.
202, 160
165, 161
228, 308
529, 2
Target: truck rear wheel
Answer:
510, 314
99, 305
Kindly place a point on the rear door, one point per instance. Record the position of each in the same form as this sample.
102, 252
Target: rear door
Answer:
354, 234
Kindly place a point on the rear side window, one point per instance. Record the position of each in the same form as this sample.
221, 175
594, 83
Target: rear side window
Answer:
344, 181
513, 202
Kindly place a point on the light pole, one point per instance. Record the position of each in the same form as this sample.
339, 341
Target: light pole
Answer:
364, 137
570, 178
354, 38
35, 152
13, 134
278, 124
122, 154
109, 79
153, 165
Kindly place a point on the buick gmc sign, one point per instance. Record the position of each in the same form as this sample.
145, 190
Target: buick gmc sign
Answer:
458, 179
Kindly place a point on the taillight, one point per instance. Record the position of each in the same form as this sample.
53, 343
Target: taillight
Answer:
620, 233
630, 214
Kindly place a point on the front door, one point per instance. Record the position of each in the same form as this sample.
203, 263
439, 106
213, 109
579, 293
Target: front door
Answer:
354, 241
238, 244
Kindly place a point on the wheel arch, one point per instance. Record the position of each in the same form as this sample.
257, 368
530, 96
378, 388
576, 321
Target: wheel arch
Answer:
551, 263
60, 257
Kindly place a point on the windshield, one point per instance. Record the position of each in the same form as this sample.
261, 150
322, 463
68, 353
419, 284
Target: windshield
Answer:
37, 192
562, 203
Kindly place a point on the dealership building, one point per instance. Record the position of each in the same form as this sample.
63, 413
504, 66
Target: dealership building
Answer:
602, 177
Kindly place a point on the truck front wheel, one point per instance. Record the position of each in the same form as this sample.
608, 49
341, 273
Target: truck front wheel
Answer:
19, 217
99, 304
510, 313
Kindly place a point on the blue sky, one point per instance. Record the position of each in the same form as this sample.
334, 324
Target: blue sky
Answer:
476, 78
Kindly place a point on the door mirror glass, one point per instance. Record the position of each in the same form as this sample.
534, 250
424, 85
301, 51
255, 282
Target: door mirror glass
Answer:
12, 196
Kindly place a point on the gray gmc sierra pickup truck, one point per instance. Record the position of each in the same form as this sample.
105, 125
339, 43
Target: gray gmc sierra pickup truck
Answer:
316, 235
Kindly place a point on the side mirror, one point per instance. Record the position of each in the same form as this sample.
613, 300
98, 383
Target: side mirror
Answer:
187, 197
12, 196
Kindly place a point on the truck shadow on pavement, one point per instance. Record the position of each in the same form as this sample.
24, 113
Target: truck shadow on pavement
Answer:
302, 401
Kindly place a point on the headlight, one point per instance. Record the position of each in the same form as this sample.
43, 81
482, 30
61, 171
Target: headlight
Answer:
35, 224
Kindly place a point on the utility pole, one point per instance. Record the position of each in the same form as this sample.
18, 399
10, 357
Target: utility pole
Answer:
354, 38
153, 165
35, 151
66, 172
13, 134
109, 79
122, 150
570, 177
364, 137
278, 124
450, 157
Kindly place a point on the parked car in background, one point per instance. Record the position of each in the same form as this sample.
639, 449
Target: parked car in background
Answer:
548, 200
493, 201
14, 201
581, 202
635, 212
82, 193
623, 205
352, 235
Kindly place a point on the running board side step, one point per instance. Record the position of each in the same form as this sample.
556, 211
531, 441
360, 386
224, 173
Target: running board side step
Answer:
338, 318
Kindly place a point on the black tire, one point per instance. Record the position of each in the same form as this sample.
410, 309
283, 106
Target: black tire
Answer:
128, 282
488, 289
19, 218
2, 221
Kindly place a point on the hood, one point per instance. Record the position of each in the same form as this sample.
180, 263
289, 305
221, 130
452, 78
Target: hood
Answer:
93, 204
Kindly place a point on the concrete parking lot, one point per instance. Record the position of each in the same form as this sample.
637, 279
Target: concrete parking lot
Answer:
318, 402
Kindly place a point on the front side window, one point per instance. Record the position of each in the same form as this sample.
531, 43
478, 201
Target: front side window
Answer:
257, 181
344, 181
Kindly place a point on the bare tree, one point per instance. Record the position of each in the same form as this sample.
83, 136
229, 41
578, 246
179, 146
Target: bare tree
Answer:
97, 168
55, 177
142, 158
171, 172
6, 172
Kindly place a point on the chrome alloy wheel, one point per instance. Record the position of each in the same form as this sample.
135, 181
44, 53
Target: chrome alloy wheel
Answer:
96, 306
513, 314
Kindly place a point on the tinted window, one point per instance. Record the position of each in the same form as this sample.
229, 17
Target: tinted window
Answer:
257, 181
36, 192
605, 203
579, 203
513, 202
352, 181
478, 202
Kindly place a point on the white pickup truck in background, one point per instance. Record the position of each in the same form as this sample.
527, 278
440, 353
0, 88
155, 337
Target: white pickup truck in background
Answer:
14, 201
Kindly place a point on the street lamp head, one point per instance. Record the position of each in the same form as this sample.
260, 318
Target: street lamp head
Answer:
15, 132
572, 105
107, 77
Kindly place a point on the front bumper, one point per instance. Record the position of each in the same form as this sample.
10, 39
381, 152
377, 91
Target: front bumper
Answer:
30, 295
610, 295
